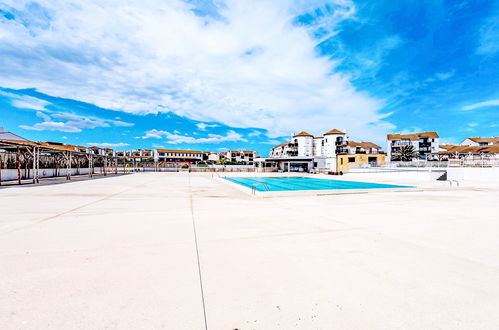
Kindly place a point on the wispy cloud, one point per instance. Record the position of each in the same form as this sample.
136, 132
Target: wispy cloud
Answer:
441, 76
71, 123
255, 133
203, 126
489, 36
231, 136
481, 105
25, 101
107, 145
154, 134
173, 138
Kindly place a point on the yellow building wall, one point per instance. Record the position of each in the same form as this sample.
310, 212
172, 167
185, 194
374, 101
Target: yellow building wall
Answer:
343, 164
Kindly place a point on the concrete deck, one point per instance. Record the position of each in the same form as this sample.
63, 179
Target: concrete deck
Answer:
120, 253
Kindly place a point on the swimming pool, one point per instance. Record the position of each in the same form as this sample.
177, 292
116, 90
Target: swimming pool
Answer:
303, 183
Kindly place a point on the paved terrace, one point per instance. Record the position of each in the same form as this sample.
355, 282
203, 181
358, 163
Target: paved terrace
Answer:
120, 252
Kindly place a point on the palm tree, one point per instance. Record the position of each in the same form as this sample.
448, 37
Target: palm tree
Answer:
406, 154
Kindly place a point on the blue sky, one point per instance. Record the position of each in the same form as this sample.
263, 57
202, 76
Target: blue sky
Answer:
210, 75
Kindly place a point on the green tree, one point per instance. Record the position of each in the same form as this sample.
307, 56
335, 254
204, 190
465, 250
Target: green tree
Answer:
406, 154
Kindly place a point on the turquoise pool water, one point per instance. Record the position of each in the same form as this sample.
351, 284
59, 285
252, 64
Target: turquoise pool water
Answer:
302, 183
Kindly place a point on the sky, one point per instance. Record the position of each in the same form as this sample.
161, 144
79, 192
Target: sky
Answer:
246, 74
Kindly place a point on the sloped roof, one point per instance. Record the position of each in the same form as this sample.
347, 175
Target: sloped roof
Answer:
428, 134
412, 137
364, 145
334, 131
180, 151
494, 139
450, 149
303, 133
281, 145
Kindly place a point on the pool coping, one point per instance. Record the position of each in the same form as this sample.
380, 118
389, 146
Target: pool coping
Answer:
320, 192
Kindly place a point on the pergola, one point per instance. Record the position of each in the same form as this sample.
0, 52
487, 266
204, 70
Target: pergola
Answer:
61, 154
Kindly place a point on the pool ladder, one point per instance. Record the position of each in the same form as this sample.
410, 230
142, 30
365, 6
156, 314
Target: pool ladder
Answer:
253, 187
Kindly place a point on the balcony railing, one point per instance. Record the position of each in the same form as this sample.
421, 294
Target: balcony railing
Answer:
400, 144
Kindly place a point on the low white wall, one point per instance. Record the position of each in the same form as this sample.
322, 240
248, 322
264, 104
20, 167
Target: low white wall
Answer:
222, 166
422, 174
11, 174
487, 174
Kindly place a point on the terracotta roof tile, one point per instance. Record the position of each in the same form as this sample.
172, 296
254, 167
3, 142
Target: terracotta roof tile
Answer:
334, 131
303, 133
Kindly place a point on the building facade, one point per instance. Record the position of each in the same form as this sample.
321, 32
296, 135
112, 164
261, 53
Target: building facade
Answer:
305, 152
178, 156
424, 143
241, 156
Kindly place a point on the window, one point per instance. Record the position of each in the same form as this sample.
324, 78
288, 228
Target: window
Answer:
351, 159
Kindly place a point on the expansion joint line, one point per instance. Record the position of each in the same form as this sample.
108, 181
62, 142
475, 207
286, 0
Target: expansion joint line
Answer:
197, 254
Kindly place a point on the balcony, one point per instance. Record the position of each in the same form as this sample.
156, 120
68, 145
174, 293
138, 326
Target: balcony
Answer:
400, 144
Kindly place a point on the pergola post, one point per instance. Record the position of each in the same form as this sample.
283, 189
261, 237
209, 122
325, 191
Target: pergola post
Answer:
18, 165
68, 165
34, 164
105, 165
37, 171
90, 165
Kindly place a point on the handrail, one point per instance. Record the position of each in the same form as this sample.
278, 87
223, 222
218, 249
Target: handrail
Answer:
253, 187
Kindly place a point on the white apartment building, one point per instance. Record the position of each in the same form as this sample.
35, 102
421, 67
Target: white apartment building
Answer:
178, 156
213, 156
242, 156
424, 143
305, 152
363, 148
478, 141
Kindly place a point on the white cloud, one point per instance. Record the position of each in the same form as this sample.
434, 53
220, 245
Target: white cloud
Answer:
203, 126
107, 145
174, 138
255, 133
68, 122
212, 138
481, 105
155, 134
26, 101
253, 67
441, 76
488, 43
445, 75
272, 142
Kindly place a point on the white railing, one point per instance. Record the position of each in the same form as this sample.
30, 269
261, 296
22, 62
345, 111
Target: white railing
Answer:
476, 162
417, 163
253, 187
